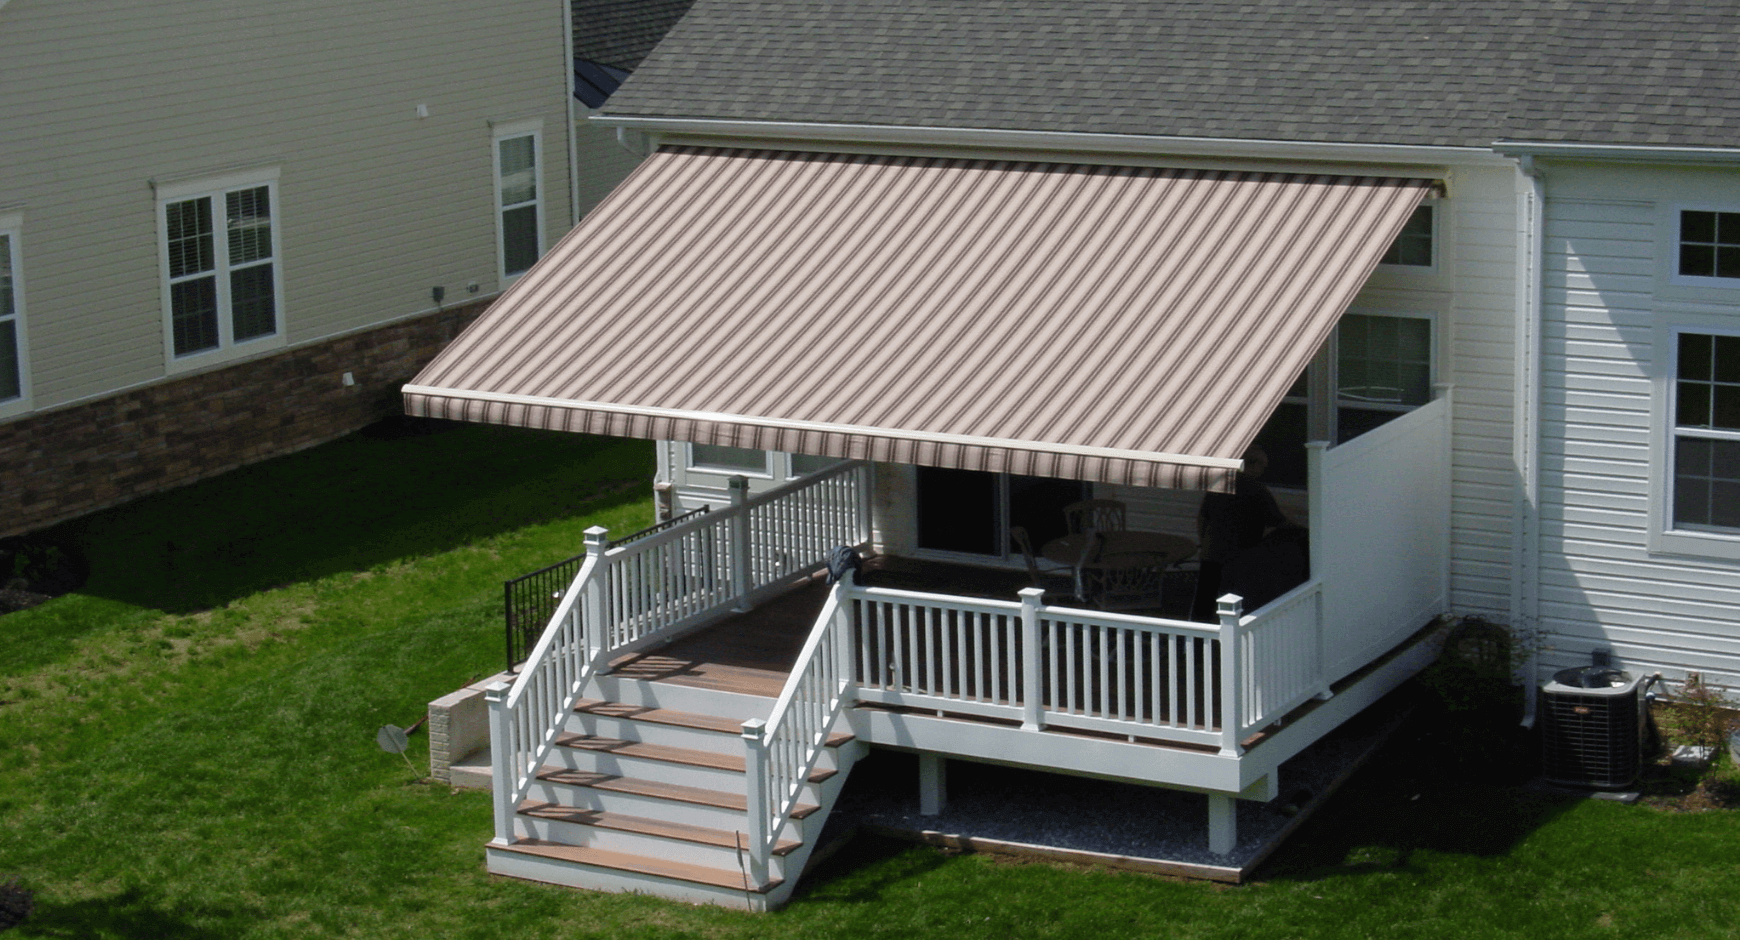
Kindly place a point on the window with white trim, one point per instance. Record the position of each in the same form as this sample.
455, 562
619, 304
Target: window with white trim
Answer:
222, 290
1415, 246
728, 460
519, 207
14, 377
1381, 367
1705, 445
1709, 244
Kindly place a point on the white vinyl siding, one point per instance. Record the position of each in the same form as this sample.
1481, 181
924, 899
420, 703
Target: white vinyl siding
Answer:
374, 204
1617, 571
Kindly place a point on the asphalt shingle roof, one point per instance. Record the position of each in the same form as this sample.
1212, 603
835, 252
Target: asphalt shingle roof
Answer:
1435, 72
619, 33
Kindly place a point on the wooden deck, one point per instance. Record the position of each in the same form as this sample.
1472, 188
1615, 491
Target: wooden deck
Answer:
753, 652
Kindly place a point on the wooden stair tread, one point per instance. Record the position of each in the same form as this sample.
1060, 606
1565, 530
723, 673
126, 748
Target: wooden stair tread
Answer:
663, 752
622, 822
668, 716
640, 864
658, 789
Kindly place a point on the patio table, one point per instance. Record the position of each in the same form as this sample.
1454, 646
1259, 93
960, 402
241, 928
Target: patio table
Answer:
1067, 549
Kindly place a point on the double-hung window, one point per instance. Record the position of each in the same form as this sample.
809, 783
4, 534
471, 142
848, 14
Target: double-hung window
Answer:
1705, 445
222, 287
519, 207
14, 377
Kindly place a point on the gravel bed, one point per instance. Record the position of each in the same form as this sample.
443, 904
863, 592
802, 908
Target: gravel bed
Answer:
1085, 814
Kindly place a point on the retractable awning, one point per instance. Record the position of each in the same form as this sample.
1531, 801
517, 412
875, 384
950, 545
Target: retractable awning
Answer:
1119, 324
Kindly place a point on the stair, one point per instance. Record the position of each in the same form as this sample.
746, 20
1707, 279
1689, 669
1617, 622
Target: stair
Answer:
645, 792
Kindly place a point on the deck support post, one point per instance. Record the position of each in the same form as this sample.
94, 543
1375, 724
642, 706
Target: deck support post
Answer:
1032, 661
502, 784
592, 602
739, 488
1232, 718
933, 784
1223, 823
755, 779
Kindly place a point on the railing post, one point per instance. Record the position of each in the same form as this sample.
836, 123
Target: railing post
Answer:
591, 606
1232, 717
740, 541
1032, 662
1317, 545
865, 484
844, 641
755, 778
501, 747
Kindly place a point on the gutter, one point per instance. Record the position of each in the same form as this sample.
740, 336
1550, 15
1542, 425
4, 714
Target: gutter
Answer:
1525, 599
993, 138
1631, 153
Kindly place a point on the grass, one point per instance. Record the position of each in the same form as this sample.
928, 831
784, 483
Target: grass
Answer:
186, 751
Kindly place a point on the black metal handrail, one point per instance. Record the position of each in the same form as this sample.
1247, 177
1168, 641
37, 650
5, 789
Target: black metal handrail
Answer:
531, 599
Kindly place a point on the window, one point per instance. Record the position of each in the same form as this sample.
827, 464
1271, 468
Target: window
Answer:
723, 459
806, 464
1413, 247
519, 211
1706, 433
13, 377
1380, 367
220, 263
1383, 368
1709, 244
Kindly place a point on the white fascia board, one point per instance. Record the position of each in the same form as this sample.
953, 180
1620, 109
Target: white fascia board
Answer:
1064, 141
1627, 153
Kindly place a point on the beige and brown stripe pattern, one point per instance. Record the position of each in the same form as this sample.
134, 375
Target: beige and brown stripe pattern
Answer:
1118, 324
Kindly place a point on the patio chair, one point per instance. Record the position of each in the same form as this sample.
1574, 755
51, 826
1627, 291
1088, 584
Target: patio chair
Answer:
1058, 584
1126, 582
1095, 515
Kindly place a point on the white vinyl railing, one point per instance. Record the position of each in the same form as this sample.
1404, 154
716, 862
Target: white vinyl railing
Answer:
781, 752
644, 592
1043, 666
1281, 647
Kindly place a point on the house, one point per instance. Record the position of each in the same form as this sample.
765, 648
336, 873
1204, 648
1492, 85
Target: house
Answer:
230, 234
1468, 273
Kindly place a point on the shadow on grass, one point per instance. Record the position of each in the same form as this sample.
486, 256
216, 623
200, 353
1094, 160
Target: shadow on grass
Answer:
865, 869
1412, 800
133, 915
349, 505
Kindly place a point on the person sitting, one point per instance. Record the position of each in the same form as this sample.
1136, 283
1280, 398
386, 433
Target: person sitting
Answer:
1229, 523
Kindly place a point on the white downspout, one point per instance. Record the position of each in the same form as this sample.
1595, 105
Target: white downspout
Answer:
1525, 595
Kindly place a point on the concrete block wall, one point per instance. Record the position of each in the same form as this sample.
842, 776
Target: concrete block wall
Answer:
459, 729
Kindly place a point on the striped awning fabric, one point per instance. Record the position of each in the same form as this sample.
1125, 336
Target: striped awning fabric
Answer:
1120, 324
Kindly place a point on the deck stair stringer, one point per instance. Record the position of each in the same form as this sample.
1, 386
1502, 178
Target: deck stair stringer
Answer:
645, 792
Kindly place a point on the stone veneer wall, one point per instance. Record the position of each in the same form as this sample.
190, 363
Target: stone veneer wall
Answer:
67, 462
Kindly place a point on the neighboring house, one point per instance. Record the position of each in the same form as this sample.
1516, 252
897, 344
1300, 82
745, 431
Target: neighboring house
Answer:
231, 233
988, 247
611, 37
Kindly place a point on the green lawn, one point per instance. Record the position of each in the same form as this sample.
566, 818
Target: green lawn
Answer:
187, 750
